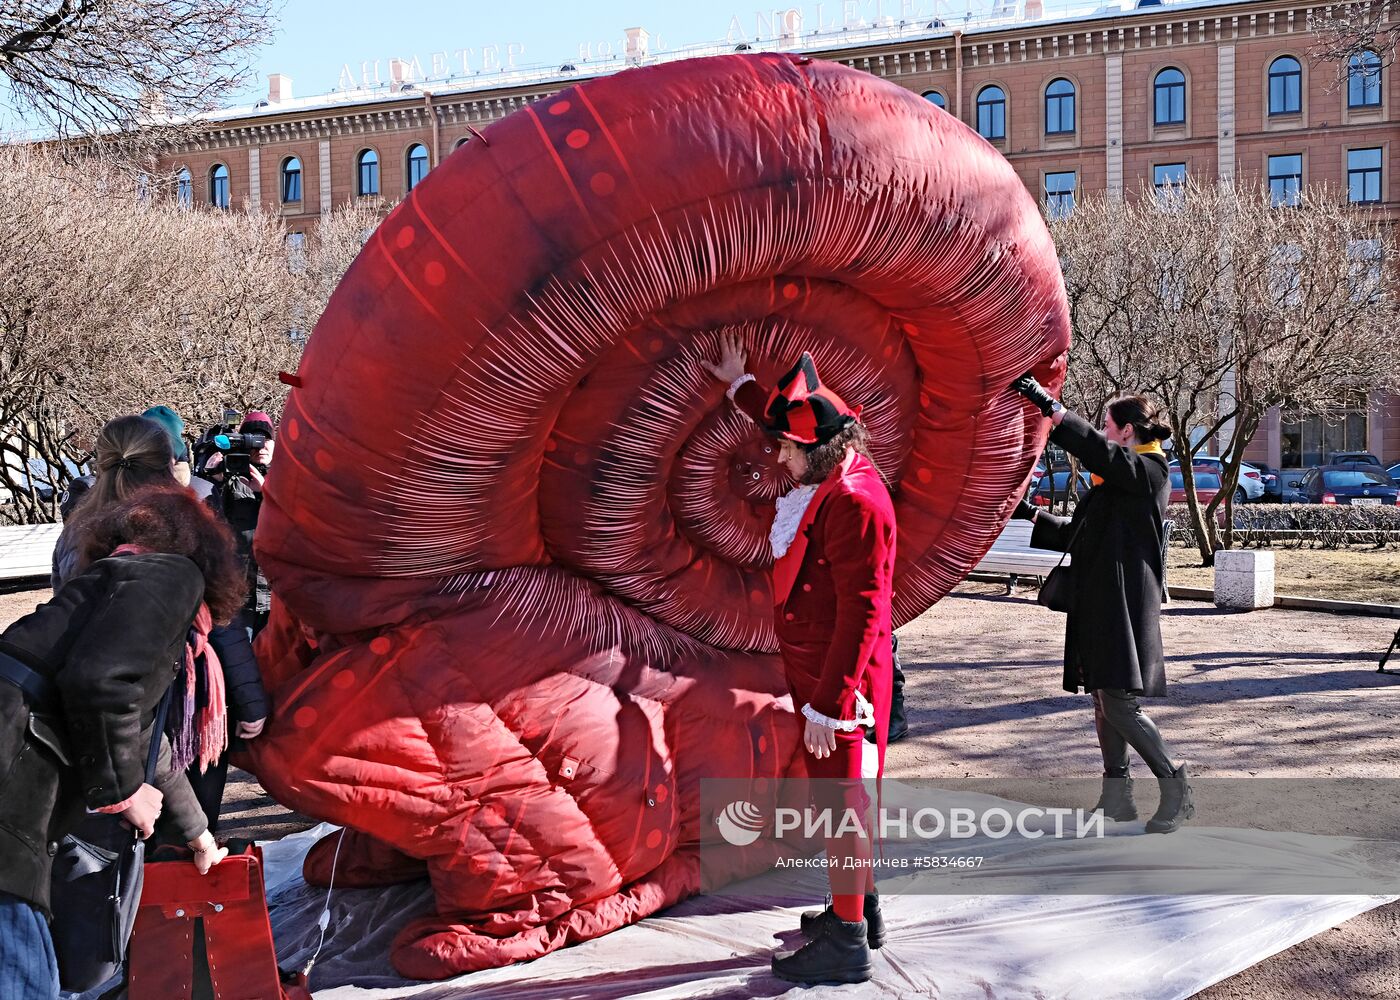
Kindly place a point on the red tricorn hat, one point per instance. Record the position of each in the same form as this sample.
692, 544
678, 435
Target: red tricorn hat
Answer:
803, 410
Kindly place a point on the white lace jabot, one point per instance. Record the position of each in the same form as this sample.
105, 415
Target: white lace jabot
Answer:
790, 510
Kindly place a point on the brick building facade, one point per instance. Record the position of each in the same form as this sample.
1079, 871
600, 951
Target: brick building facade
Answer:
1109, 100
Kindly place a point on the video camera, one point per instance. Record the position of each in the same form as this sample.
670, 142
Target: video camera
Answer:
238, 451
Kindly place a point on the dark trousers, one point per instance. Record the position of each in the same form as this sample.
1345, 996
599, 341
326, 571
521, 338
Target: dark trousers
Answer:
1121, 723
209, 786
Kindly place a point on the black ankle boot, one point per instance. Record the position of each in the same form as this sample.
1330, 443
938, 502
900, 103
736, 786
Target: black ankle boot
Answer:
840, 955
1116, 799
1176, 806
815, 922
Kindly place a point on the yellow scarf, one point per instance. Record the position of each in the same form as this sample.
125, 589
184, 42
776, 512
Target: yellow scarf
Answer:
1155, 448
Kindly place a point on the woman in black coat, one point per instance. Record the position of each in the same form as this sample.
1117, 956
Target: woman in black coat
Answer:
80, 680
1113, 635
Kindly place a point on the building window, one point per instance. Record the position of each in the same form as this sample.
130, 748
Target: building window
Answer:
1059, 194
1169, 97
143, 188
291, 180
218, 186
1364, 272
417, 164
1285, 178
184, 188
934, 97
1307, 441
1169, 181
1059, 107
1364, 81
1364, 176
296, 252
367, 170
462, 142
991, 113
1285, 86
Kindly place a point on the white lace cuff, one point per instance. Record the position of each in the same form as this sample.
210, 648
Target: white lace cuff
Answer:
734, 386
865, 716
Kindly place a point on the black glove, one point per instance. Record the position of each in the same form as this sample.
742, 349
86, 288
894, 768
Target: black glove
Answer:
1027, 386
1023, 511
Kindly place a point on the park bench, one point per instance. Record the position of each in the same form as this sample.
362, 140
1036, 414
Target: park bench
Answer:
26, 550
1011, 555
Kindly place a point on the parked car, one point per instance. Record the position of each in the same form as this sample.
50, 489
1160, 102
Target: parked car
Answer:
1207, 485
1394, 472
1273, 484
1052, 488
1289, 481
1250, 487
1349, 485
1353, 458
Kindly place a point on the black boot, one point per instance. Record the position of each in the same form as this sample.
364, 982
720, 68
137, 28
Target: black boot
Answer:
1116, 799
815, 922
1176, 806
838, 956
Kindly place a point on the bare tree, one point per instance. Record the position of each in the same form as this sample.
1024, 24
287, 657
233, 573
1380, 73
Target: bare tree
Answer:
1220, 305
110, 303
1348, 32
131, 71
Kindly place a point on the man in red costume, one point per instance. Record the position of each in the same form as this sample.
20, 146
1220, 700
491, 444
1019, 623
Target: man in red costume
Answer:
833, 549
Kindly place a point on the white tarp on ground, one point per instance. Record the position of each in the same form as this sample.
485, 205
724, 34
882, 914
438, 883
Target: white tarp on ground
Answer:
1143, 947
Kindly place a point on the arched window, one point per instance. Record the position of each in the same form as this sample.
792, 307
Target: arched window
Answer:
1059, 107
417, 164
291, 180
1285, 86
462, 142
367, 173
935, 97
184, 188
1169, 97
1364, 81
991, 113
218, 186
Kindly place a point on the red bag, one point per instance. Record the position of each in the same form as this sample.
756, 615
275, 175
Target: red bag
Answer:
205, 936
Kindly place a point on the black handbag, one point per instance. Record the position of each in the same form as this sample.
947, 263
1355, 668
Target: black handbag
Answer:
96, 888
1057, 592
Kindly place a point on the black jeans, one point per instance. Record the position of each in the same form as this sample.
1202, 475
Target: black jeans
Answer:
1121, 722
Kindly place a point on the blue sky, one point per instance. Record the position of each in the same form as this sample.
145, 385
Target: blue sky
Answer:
320, 38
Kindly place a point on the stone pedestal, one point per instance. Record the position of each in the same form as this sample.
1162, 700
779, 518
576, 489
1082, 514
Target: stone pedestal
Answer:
1244, 579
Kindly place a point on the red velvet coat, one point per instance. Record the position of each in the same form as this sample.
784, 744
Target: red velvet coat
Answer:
833, 590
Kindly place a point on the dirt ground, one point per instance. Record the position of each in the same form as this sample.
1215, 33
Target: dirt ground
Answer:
1371, 575
1273, 694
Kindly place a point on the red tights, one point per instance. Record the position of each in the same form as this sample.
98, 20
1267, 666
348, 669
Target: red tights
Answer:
838, 787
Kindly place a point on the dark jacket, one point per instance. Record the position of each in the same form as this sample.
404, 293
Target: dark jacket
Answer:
1113, 636
240, 504
110, 641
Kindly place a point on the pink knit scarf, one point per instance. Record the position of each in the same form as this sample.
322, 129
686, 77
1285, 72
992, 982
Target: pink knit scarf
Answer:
204, 738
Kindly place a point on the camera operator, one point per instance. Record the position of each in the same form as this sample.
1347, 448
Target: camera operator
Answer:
238, 469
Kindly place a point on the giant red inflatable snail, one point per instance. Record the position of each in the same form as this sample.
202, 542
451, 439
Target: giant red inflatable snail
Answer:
520, 540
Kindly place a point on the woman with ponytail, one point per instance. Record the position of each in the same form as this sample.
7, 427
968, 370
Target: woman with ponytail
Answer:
1113, 636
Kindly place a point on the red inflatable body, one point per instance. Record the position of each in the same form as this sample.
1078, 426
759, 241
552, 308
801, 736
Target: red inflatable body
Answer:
520, 539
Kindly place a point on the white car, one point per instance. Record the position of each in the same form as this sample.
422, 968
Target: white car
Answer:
1250, 487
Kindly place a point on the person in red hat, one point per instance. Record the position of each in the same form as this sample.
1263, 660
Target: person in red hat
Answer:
833, 540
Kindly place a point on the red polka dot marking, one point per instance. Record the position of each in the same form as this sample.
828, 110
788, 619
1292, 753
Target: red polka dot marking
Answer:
551, 445
654, 344
654, 840
602, 184
924, 476
293, 429
925, 400
756, 595
305, 717
662, 793
324, 461
763, 744
790, 290
577, 139
344, 680
405, 237
380, 645
434, 273
560, 108
911, 329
